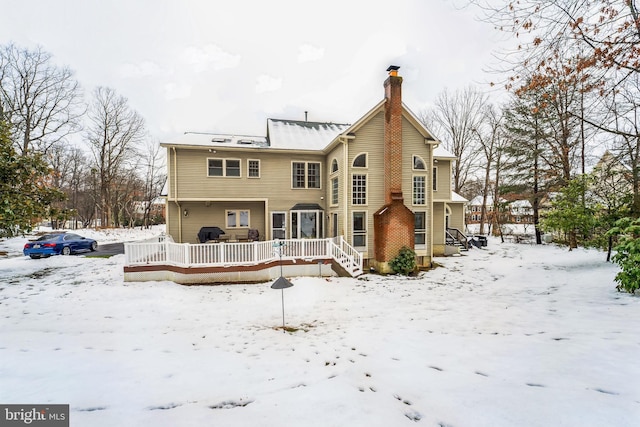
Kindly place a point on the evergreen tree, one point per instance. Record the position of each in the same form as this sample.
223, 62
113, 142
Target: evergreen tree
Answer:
572, 214
527, 172
612, 190
25, 192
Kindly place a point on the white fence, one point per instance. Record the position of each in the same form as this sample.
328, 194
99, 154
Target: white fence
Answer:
166, 252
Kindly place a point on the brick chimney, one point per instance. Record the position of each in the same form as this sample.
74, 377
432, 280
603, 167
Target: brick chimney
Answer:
393, 222
393, 135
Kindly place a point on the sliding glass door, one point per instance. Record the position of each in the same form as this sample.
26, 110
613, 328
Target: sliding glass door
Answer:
307, 224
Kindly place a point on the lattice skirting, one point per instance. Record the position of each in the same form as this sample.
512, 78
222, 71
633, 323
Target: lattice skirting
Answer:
230, 274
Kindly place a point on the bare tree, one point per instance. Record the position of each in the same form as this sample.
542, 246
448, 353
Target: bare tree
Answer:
625, 109
490, 136
454, 119
114, 134
40, 100
607, 32
127, 190
154, 168
70, 171
597, 42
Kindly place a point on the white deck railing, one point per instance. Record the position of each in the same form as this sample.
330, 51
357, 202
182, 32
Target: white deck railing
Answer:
166, 252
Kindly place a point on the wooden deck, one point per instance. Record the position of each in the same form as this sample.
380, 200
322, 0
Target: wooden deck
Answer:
238, 262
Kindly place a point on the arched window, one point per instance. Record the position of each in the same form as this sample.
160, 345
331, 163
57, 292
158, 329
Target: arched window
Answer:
418, 163
334, 166
360, 161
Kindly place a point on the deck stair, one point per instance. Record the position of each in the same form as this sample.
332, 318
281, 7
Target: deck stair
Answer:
457, 238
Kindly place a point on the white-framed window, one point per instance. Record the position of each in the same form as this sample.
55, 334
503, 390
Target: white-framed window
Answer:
305, 174
313, 175
224, 167
359, 229
253, 168
435, 178
334, 166
419, 163
237, 218
360, 161
334, 191
359, 189
419, 190
420, 228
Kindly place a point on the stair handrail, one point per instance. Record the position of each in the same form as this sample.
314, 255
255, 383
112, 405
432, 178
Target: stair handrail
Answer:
349, 258
459, 236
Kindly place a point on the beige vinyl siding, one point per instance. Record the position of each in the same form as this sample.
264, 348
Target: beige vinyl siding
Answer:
271, 191
338, 154
172, 220
274, 182
443, 191
438, 228
214, 215
413, 143
369, 139
456, 220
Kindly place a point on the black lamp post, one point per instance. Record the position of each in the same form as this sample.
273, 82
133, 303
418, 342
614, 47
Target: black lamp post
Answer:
281, 283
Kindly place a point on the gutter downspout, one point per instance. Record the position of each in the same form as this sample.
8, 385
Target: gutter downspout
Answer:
431, 204
175, 193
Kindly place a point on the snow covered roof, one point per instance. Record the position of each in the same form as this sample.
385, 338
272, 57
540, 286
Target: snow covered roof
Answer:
281, 134
302, 135
218, 140
477, 201
521, 204
441, 153
455, 197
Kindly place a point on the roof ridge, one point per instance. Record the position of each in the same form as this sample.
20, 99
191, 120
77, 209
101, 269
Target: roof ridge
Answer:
307, 122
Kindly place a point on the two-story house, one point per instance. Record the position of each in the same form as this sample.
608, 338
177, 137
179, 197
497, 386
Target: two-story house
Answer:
383, 182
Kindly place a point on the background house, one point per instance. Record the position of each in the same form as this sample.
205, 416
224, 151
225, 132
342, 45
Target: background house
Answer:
383, 182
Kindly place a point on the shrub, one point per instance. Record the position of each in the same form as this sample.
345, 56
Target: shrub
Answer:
628, 254
405, 262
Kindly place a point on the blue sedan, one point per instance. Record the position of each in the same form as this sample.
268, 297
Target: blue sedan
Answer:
58, 243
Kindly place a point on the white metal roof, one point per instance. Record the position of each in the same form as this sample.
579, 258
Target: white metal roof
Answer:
281, 134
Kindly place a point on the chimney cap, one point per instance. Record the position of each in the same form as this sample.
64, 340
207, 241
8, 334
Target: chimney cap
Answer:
393, 68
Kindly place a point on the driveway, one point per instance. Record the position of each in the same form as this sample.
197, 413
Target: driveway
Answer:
110, 249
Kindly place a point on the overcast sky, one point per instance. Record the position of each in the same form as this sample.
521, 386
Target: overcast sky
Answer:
226, 66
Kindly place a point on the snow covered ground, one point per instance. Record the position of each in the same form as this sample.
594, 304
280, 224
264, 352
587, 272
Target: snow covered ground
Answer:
507, 335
